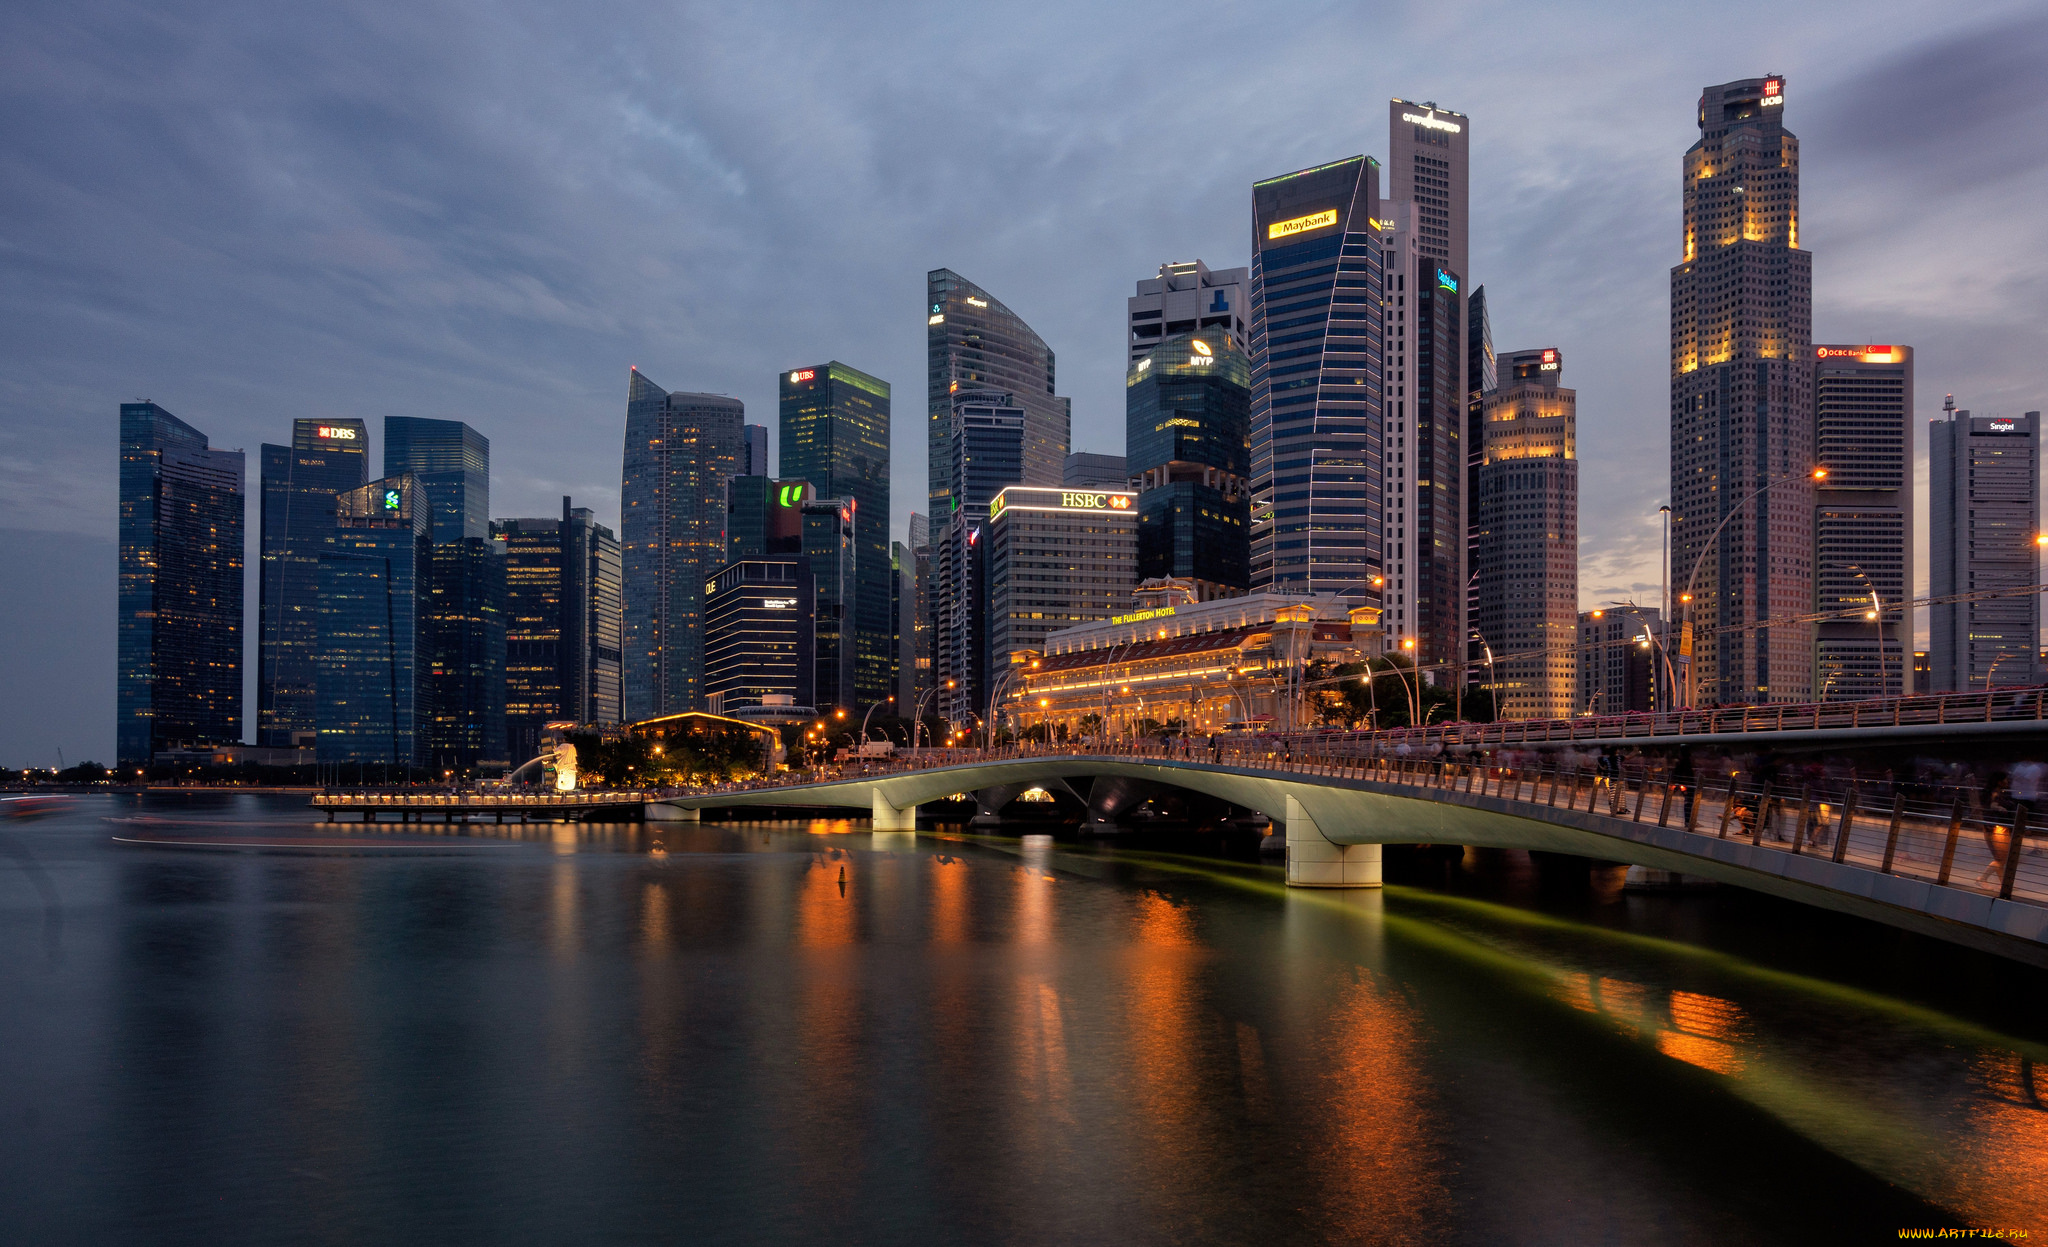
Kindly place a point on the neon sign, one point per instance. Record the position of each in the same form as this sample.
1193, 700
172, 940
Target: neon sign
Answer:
935, 320
1774, 93
974, 302
1142, 616
1446, 281
1867, 354
390, 500
1432, 122
778, 604
2003, 426
336, 432
790, 496
1302, 224
805, 375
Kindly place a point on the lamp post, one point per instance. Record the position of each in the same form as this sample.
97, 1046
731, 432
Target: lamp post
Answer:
1685, 598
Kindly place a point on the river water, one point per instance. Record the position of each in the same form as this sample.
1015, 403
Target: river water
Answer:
806, 1032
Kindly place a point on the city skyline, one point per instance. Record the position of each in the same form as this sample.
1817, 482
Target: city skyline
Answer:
1076, 305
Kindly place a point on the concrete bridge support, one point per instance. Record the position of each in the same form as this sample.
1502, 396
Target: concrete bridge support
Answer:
662, 812
1314, 862
888, 818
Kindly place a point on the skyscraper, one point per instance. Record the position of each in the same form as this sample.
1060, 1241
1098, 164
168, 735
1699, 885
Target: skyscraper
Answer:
300, 484
1481, 376
452, 463
1186, 298
988, 452
1057, 558
1429, 165
1617, 656
373, 576
563, 617
1863, 519
973, 342
462, 641
1528, 573
759, 636
1427, 410
829, 552
1984, 508
1088, 470
1316, 382
180, 591
755, 461
835, 434
1187, 434
922, 567
680, 450
1742, 403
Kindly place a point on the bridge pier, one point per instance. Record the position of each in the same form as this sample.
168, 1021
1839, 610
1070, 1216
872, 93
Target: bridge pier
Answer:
662, 812
1314, 862
888, 818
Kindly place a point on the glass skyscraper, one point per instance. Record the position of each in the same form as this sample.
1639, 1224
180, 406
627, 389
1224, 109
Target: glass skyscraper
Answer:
835, 435
973, 342
829, 554
988, 453
182, 508
301, 481
452, 462
372, 577
680, 450
1316, 378
462, 630
563, 615
1187, 429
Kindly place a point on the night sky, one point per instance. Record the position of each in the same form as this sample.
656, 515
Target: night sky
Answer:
251, 212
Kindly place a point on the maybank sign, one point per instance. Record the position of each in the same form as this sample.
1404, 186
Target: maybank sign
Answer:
1302, 224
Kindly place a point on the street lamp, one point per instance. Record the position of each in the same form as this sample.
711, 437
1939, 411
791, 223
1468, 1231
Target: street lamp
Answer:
1685, 598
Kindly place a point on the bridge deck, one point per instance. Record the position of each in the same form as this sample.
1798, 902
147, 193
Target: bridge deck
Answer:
422, 807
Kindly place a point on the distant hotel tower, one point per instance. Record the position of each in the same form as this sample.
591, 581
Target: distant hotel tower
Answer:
1984, 508
301, 481
180, 590
1315, 413
680, 451
835, 435
1863, 519
1187, 436
1742, 402
1528, 569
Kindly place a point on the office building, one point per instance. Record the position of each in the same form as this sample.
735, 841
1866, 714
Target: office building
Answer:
1087, 470
452, 463
754, 450
916, 683
1742, 404
835, 435
973, 342
1429, 165
301, 481
563, 618
1863, 521
179, 633
764, 516
681, 448
462, 658
1427, 408
1481, 375
373, 577
830, 552
1187, 298
760, 636
1187, 434
989, 430
1984, 513
1528, 569
1057, 558
1617, 664
903, 610
1316, 375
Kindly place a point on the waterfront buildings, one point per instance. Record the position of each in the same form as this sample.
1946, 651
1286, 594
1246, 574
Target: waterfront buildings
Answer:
1187, 438
835, 435
373, 575
462, 657
301, 481
973, 342
1528, 573
179, 635
1618, 661
680, 450
760, 636
987, 441
1742, 409
1863, 519
1187, 298
564, 615
1056, 558
452, 463
1984, 512
1316, 375
1087, 470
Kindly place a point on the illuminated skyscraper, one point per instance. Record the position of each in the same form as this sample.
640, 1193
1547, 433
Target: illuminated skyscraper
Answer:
1742, 413
1863, 519
179, 648
452, 462
988, 452
374, 576
680, 450
1187, 431
973, 342
1528, 573
300, 484
563, 617
1316, 378
1429, 165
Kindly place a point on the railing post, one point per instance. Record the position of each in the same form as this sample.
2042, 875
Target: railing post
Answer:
1848, 821
1642, 792
1806, 799
2012, 853
1692, 805
1948, 852
1763, 815
1891, 839
1664, 810
1556, 778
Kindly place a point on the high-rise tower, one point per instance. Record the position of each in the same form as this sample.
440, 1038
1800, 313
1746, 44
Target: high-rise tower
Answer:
1187, 434
1187, 297
301, 481
452, 463
1863, 519
1528, 563
1742, 403
1316, 382
973, 342
680, 450
1984, 513
1429, 165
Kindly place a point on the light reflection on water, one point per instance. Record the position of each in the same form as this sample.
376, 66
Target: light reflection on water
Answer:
808, 1032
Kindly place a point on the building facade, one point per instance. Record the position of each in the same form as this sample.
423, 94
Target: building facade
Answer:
1187, 432
1316, 378
462, 668
179, 630
1863, 520
1742, 407
760, 635
1984, 513
1188, 298
680, 450
1429, 165
835, 435
973, 342
1481, 376
563, 618
1057, 558
1087, 470
989, 430
754, 450
911, 699
831, 552
374, 575
1528, 572
1617, 671
301, 481
452, 463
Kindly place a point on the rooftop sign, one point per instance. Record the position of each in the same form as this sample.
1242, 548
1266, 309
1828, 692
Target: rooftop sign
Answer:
1432, 122
1865, 354
806, 374
1070, 500
337, 432
1141, 616
1302, 224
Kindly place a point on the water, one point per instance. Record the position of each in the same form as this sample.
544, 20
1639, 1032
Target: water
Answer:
810, 1033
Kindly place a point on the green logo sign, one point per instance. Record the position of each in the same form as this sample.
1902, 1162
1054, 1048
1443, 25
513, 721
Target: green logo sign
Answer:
390, 500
